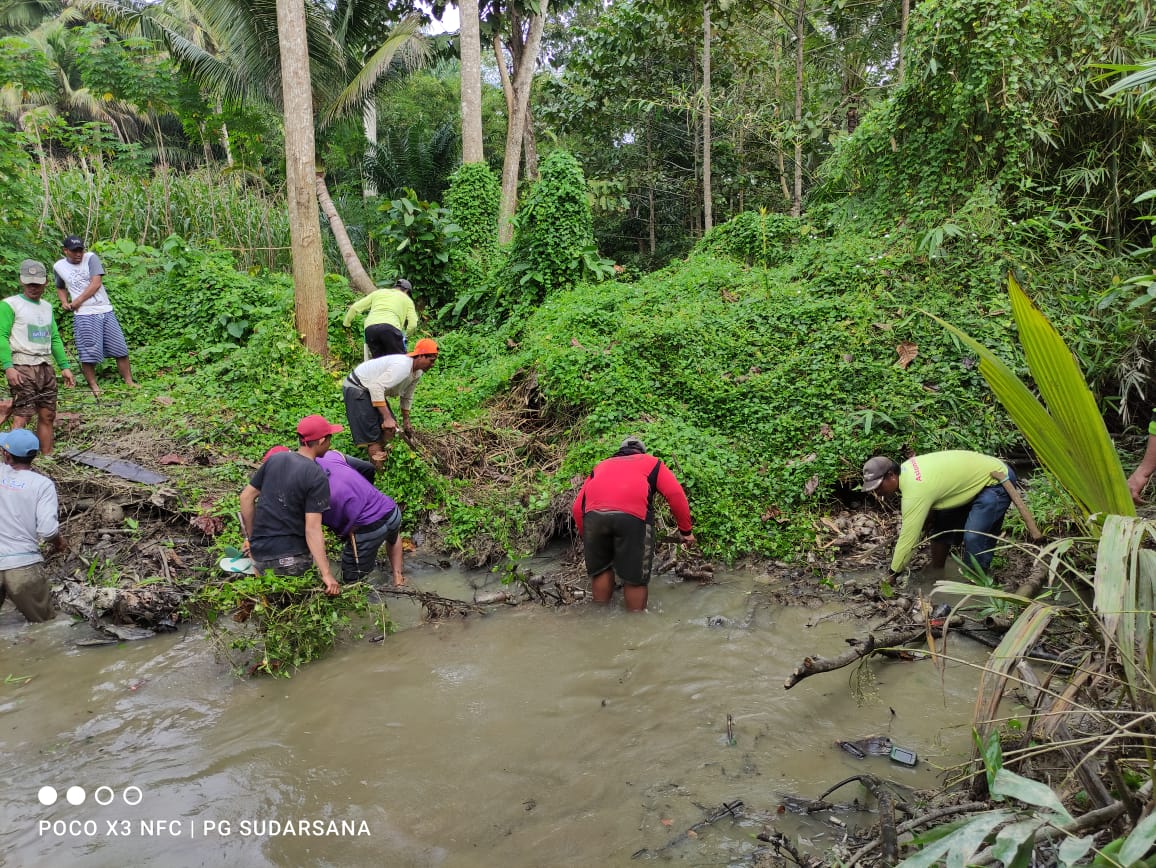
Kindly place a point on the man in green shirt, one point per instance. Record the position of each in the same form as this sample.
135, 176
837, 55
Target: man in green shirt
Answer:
963, 489
29, 342
391, 317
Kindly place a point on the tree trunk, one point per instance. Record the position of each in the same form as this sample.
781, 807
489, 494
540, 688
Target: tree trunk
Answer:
904, 14
707, 210
357, 274
471, 48
516, 125
220, 106
530, 147
312, 313
369, 125
650, 190
797, 197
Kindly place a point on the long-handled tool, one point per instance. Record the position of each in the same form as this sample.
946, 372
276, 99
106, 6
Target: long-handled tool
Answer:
1025, 514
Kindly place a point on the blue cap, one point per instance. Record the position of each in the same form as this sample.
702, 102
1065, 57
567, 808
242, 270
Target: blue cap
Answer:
20, 443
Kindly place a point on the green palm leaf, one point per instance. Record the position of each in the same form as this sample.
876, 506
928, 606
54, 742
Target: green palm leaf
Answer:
1068, 435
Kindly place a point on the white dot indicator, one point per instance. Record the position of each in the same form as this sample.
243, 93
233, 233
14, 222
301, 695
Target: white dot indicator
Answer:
75, 795
132, 795
104, 795
47, 796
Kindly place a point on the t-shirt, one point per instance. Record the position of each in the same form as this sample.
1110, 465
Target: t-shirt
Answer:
389, 306
28, 508
28, 333
291, 485
353, 500
75, 278
389, 375
939, 480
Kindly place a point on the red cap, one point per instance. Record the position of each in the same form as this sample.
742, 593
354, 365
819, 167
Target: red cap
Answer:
425, 347
274, 451
315, 427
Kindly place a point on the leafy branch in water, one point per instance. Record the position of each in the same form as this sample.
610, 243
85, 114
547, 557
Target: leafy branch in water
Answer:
285, 621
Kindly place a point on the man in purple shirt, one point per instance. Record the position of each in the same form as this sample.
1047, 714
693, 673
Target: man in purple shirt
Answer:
362, 516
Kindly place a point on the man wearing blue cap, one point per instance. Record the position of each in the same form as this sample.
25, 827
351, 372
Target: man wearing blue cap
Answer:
28, 515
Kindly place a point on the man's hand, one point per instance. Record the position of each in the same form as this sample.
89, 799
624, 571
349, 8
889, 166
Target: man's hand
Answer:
331, 586
66, 305
13, 377
687, 538
246, 549
68, 377
389, 427
1136, 483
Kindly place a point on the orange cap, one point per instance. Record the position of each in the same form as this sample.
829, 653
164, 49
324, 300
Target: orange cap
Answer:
425, 347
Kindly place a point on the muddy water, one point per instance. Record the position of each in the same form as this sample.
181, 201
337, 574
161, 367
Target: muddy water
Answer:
528, 737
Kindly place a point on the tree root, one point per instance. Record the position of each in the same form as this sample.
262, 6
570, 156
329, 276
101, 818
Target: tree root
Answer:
859, 648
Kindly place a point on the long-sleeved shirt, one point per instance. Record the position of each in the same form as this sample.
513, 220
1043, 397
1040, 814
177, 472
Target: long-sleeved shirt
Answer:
938, 480
28, 333
627, 484
389, 306
391, 376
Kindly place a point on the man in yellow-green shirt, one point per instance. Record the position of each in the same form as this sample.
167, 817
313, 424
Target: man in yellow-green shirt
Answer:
391, 317
959, 487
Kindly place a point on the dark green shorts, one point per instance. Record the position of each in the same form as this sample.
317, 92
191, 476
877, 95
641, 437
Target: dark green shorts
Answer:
621, 541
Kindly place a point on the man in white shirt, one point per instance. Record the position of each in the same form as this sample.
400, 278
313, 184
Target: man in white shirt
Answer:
367, 391
28, 515
80, 286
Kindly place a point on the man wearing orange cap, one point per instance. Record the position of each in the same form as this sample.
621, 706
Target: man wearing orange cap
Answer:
282, 504
367, 391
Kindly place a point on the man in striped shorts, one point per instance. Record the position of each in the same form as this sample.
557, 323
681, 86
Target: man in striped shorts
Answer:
80, 286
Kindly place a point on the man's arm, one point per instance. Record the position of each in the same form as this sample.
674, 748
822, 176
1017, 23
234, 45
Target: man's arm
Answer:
668, 486
914, 516
95, 281
357, 307
7, 319
409, 321
249, 497
1141, 474
59, 355
316, 542
48, 518
405, 401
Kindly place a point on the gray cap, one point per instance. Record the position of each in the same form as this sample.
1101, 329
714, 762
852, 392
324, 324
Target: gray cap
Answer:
874, 471
32, 271
633, 441
403, 284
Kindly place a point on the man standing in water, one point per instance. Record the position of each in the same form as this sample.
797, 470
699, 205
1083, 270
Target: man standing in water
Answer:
28, 515
964, 492
281, 507
80, 286
29, 343
614, 512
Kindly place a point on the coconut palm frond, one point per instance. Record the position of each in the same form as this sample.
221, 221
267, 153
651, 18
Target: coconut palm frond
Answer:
354, 94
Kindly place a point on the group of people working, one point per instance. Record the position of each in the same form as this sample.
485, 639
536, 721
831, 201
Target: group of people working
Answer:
295, 493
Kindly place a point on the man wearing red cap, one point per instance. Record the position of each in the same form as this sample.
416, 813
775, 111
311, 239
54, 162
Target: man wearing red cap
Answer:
368, 389
282, 504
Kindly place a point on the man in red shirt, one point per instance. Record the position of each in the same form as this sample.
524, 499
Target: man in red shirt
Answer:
614, 513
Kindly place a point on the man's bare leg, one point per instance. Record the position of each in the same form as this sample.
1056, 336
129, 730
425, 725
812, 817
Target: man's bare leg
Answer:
125, 370
395, 553
45, 419
602, 586
939, 551
89, 371
635, 597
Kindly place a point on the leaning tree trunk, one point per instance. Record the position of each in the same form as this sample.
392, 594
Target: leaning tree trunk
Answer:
515, 129
357, 274
707, 210
312, 312
471, 49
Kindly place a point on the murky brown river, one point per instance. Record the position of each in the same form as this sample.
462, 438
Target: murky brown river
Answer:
528, 737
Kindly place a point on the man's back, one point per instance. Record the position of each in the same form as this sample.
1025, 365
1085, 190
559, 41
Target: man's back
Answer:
28, 513
291, 485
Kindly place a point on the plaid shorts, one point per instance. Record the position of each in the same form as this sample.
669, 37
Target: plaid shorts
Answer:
37, 389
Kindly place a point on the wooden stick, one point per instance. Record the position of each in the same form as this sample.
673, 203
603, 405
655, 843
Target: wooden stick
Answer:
1025, 514
859, 648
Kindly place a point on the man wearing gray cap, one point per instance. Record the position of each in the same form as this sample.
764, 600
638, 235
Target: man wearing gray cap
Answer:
28, 516
391, 317
614, 513
29, 342
962, 491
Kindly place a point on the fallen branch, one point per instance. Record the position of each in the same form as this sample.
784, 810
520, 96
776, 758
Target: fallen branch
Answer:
859, 649
728, 809
435, 605
782, 843
888, 835
928, 818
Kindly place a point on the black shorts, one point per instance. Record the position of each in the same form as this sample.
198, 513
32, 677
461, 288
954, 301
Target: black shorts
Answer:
621, 541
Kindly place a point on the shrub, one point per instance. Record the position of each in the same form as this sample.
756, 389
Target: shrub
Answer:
754, 237
472, 201
417, 238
